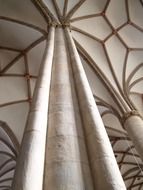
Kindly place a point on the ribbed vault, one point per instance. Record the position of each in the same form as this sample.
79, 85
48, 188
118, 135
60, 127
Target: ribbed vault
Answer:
109, 37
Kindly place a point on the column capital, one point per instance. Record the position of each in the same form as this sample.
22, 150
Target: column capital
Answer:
129, 114
65, 24
53, 23
56, 24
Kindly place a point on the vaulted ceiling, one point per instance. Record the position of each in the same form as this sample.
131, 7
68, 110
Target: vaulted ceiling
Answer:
109, 37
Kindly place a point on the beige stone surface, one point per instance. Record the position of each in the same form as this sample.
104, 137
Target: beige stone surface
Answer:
134, 127
66, 156
68, 176
30, 164
104, 167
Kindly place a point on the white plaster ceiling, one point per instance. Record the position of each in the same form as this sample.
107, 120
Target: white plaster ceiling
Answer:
109, 38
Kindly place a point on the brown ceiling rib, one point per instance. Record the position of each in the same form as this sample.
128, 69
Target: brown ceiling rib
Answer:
141, 2
115, 32
85, 33
111, 109
32, 45
24, 24
65, 8
9, 49
17, 75
45, 12
74, 9
103, 78
85, 17
13, 102
11, 143
58, 11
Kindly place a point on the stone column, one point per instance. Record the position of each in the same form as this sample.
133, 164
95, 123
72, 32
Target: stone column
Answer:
133, 124
30, 164
104, 166
66, 165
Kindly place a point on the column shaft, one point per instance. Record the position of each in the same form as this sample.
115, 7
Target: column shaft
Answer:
104, 166
134, 127
67, 165
30, 164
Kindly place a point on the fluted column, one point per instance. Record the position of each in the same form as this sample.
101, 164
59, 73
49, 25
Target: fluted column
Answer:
30, 164
66, 165
134, 126
104, 166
